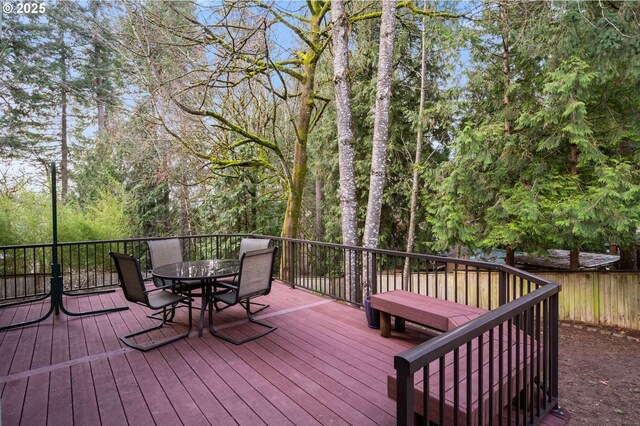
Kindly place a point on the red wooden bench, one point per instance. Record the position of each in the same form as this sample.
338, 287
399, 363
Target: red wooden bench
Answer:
436, 313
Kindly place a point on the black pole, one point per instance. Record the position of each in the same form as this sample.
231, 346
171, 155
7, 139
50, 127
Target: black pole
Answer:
56, 277
54, 211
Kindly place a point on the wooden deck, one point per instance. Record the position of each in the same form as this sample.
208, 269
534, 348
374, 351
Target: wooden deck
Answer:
323, 365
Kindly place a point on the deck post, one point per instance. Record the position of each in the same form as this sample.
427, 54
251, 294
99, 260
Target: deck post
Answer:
292, 266
374, 275
502, 288
404, 392
553, 343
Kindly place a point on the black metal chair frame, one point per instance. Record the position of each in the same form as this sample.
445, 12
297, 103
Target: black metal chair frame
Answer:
146, 298
233, 297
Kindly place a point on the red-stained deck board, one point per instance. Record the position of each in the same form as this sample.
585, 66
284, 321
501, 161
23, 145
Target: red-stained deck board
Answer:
297, 405
251, 365
35, 401
13, 401
158, 403
175, 389
312, 382
342, 364
334, 378
252, 400
60, 400
109, 404
85, 404
133, 402
26, 342
181, 358
307, 377
326, 374
202, 362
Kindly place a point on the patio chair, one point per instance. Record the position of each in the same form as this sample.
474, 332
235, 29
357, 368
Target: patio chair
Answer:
246, 244
164, 252
254, 280
135, 291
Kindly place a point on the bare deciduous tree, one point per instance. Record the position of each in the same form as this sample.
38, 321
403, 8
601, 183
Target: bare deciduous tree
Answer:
380, 136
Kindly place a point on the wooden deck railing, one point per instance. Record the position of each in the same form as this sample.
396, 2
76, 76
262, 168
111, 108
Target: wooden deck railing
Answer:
517, 341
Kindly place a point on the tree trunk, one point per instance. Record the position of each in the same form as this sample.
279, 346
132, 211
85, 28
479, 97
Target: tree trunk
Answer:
185, 211
64, 148
298, 176
406, 281
510, 258
628, 258
319, 202
291, 223
506, 101
97, 59
346, 151
506, 71
574, 259
380, 138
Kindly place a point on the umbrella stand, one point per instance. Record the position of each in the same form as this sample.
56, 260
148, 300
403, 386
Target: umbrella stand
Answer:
57, 286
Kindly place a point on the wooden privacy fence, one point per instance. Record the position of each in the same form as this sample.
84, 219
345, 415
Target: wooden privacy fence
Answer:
608, 298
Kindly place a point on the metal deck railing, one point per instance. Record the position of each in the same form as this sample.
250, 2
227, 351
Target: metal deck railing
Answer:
520, 331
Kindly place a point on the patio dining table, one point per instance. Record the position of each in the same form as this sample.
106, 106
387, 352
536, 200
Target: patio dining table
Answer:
208, 272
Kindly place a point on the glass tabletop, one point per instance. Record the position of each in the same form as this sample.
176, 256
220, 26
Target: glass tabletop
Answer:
198, 269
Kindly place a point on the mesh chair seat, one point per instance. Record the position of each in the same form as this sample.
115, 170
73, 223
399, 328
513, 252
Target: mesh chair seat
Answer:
163, 299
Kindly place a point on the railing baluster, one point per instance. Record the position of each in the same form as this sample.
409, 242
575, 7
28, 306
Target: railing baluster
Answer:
469, 382
446, 281
456, 385
525, 345
442, 385
501, 402
425, 394
547, 355
518, 349
480, 379
455, 282
478, 286
553, 335
491, 377
509, 368
532, 359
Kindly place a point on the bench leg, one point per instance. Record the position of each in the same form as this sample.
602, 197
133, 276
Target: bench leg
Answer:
385, 324
399, 324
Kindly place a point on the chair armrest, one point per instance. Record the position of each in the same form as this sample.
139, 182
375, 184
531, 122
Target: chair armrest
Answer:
227, 288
